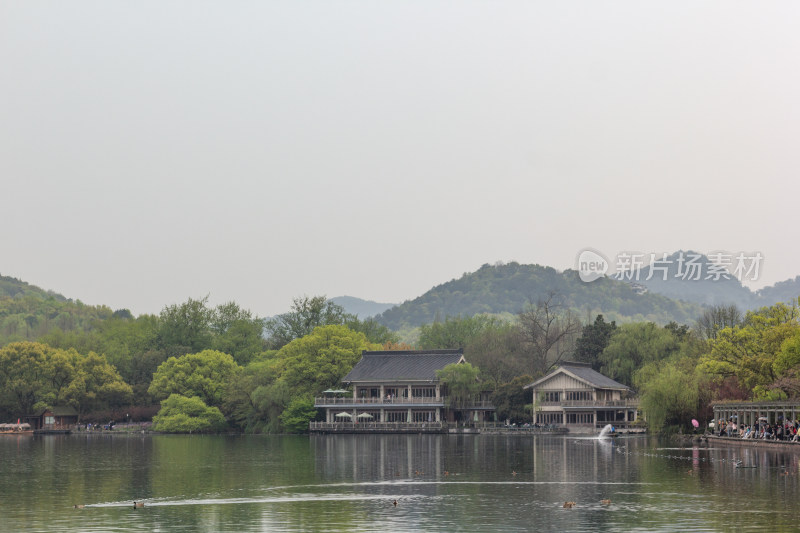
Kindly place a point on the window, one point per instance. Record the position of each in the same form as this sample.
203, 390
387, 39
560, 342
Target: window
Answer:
549, 418
49, 420
579, 396
552, 396
580, 418
427, 392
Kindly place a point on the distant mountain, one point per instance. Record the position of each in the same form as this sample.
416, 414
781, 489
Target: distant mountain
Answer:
693, 277
361, 308
507, 288
782, 291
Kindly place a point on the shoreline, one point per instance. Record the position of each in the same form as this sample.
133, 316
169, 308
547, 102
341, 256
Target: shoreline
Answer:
754, 443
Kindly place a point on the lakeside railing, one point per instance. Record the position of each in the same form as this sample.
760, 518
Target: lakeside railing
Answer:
621, 425
386, 426
425, 427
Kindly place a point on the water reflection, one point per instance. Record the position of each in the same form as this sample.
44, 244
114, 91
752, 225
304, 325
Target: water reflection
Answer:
348, 483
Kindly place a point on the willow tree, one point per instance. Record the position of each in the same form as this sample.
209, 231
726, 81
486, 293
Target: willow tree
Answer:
672, 393
461, 380
634, 345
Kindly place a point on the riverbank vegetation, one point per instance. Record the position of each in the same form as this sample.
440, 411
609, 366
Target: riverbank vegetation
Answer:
206, 368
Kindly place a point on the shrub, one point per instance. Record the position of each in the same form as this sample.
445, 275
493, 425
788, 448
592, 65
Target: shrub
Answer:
180, 414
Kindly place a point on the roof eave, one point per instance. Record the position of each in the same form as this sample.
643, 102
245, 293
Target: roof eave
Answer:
574, 376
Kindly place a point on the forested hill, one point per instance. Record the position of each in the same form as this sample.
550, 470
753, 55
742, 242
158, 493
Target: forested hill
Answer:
694, 277
507, 288
782, 291
15, 288
28, 312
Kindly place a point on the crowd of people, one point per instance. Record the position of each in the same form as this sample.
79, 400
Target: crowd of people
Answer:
786, 431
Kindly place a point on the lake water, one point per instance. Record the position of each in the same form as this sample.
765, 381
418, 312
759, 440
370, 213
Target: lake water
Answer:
348, 483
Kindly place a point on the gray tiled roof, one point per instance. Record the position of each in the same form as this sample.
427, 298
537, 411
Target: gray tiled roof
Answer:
584, 372
593, 377
402, 365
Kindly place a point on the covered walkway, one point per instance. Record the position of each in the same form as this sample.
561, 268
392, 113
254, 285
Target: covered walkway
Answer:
751, 413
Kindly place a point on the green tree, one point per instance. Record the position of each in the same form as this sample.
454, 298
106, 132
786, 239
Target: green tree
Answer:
461, 380
672, 393
298, 414
634, 345
23, 380
97, 385
59, 368
185, 328
374, 331
237, 332
204, 374
593, 340
787, 369
788, 357
179, 414
510, 400
254, 398
305, 315
498, 351
455, 331
35, 375
752, 352
321, 359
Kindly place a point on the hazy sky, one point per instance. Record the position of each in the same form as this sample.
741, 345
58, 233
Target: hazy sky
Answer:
256, 151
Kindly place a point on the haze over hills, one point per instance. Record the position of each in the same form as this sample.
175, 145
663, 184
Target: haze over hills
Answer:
359, 307
694, 277
783, 291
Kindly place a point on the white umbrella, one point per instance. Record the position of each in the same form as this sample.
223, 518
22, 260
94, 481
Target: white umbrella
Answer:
344, 414
364, 415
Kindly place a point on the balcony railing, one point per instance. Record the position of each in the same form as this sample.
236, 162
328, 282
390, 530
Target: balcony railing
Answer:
328, 401
590, 403
398, 402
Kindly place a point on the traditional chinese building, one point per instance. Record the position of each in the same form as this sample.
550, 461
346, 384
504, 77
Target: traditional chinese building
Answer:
581, 399
398, 391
